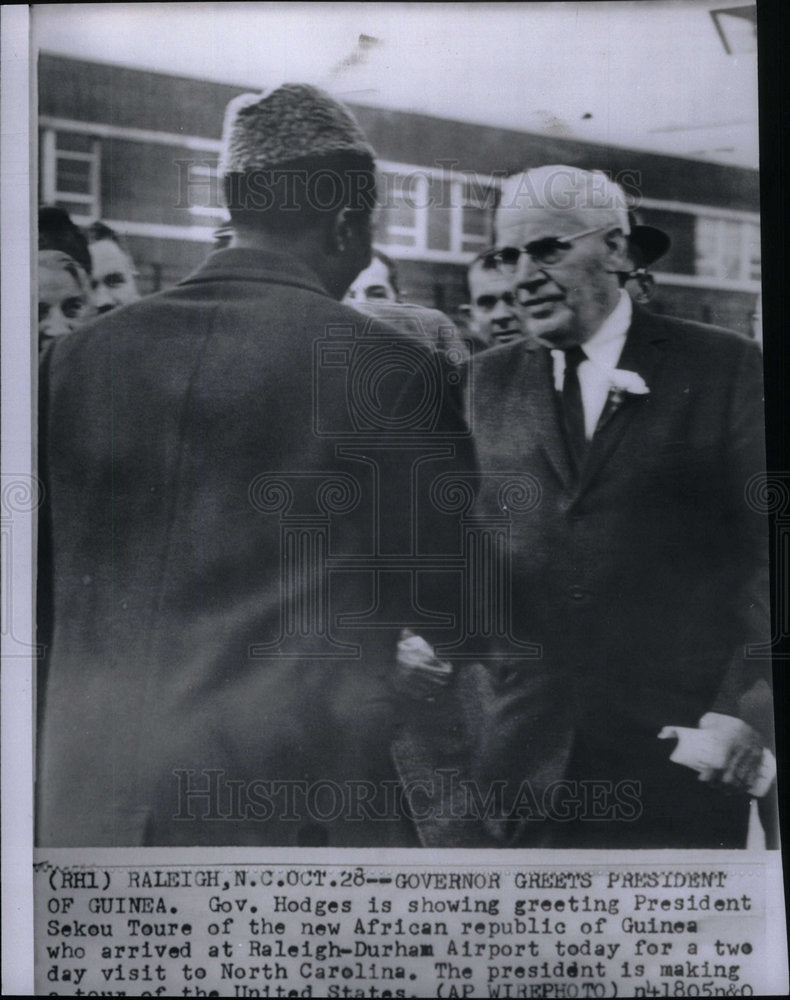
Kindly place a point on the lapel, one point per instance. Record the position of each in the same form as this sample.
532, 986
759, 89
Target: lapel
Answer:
518, 383
545, 414
642, 353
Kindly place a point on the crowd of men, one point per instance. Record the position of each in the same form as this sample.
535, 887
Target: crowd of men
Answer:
100, 276
80, 274
321, 568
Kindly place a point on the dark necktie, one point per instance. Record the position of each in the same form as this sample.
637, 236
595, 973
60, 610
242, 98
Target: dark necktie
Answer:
572, 406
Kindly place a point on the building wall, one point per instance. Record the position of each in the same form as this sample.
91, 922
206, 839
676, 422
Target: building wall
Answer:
121, 144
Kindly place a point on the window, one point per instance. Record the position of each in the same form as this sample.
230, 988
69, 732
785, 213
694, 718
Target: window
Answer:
70, 164
403, 205
727, 249
201, 192
478, 200
437, 215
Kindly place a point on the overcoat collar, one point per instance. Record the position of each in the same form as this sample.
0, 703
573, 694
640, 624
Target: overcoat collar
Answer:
246, 264
519, 378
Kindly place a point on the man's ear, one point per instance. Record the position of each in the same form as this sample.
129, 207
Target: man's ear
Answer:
645, 286
341, 232
618, 258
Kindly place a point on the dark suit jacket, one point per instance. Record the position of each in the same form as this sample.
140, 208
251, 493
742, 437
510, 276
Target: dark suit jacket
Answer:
187, 652
644, 578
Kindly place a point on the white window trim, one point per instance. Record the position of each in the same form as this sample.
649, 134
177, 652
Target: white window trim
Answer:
692, 208
153, 230
667, 279
49, 178
218, 213
743, 250
104, 131
421, 251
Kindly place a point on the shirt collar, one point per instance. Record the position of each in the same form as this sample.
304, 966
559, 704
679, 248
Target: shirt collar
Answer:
607, 342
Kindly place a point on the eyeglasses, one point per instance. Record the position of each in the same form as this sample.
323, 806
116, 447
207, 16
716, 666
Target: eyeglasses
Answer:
546, 251
489, 302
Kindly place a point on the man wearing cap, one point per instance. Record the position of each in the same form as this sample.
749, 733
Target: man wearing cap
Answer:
646, 245
641, 573
193, 690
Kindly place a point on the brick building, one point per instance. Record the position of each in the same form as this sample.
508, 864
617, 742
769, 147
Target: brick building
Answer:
139, 150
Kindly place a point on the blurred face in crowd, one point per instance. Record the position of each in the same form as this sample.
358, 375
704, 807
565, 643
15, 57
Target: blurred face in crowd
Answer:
64, 301
641, 286
569, 284
493, 311
113, 276
372, 284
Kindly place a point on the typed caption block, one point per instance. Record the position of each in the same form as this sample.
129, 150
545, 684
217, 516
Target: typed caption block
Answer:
309, 929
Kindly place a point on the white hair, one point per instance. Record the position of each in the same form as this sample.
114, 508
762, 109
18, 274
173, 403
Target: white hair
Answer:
589, 194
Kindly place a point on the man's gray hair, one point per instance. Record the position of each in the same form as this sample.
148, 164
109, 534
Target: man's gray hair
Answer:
588, 194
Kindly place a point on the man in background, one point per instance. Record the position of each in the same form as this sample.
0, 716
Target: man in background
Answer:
113, 276
64, 298
64, 265
379, 280
646, 245
493, 316
376, 293
57, 231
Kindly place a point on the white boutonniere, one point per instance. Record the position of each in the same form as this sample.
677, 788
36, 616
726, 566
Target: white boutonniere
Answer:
622, 383
626, 383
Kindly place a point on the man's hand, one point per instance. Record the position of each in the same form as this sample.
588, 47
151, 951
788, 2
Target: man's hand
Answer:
742, 751
419, 674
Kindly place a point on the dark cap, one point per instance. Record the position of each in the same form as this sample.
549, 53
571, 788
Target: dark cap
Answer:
294, 121
650, 242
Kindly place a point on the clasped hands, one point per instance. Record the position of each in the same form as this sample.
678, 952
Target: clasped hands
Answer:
419, 673
725, 751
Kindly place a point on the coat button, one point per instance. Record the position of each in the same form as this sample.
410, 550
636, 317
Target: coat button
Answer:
577, 593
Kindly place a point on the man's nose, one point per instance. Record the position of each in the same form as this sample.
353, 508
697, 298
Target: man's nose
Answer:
102, 299
529, 274
502, 312
57, 324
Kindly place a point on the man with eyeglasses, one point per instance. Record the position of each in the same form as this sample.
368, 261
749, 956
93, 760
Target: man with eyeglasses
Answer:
641, 572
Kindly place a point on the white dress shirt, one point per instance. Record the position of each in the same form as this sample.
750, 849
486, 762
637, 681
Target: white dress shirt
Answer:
603, 351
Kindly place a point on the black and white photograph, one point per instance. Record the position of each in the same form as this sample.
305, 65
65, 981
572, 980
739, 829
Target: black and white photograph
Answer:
400, 533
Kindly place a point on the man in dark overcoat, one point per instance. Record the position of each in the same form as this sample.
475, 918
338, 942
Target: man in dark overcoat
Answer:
211, 676
641, 569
